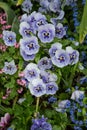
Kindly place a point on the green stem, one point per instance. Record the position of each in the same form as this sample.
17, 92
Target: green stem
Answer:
37, 106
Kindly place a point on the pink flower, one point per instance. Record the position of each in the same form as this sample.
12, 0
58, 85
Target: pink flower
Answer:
20, 90
5, 120
21, 82
16, 45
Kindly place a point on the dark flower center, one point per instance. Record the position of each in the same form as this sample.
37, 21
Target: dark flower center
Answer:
31, 73
58, 31
9, 67
50, 87
44, 62
61, 58
28, 31
72, 56
40, 23
31, 46
10, 39
38, 88
46, 35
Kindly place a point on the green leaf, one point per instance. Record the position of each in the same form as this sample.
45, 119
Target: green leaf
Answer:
83, 25
15, 25
55, 127
9, 12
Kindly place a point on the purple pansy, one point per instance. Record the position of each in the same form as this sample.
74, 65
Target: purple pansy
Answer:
40, 124
9, 38
54, 48
45, 63
31, 19
44, 76
37, 87
51, 88
10, 68
25, 56
61, 58
26, 30
74, 55
30, 45
31, 72
55, 5
39, 20
24, 18
60, 31
27, 6
46, 33
60, 16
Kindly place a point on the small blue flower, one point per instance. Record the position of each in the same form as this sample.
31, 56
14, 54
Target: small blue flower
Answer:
51, 88
9, 38
10, 68
44, 63
54, 48
61, 58
31, 72
37, 88
25, 29
27, 6
25, 56
30, 45
52, 99
46, 33
40, 124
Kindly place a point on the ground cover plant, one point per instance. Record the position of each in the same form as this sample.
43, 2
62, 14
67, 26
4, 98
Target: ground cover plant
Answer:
43, 65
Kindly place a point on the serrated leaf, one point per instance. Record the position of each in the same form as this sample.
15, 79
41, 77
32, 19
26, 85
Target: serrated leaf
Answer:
9, 12
83, 25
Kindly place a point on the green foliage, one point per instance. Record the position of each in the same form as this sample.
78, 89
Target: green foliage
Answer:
9, 12
83, 25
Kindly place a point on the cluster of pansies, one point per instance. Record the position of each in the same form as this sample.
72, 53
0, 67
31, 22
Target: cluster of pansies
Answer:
41, 60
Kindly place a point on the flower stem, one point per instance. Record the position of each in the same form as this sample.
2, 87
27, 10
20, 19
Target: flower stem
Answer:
37, 105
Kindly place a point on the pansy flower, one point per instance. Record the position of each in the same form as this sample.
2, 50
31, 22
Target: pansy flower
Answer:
31, 72
25, 29
41, 124
62, 105
10, 68
76, 94
56, 46
46, 33
60, 31
39, 20
61, 58
74, 55
51, 88
30, 45
37, 87
45, 63
9, 38
27, 6
26, 56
